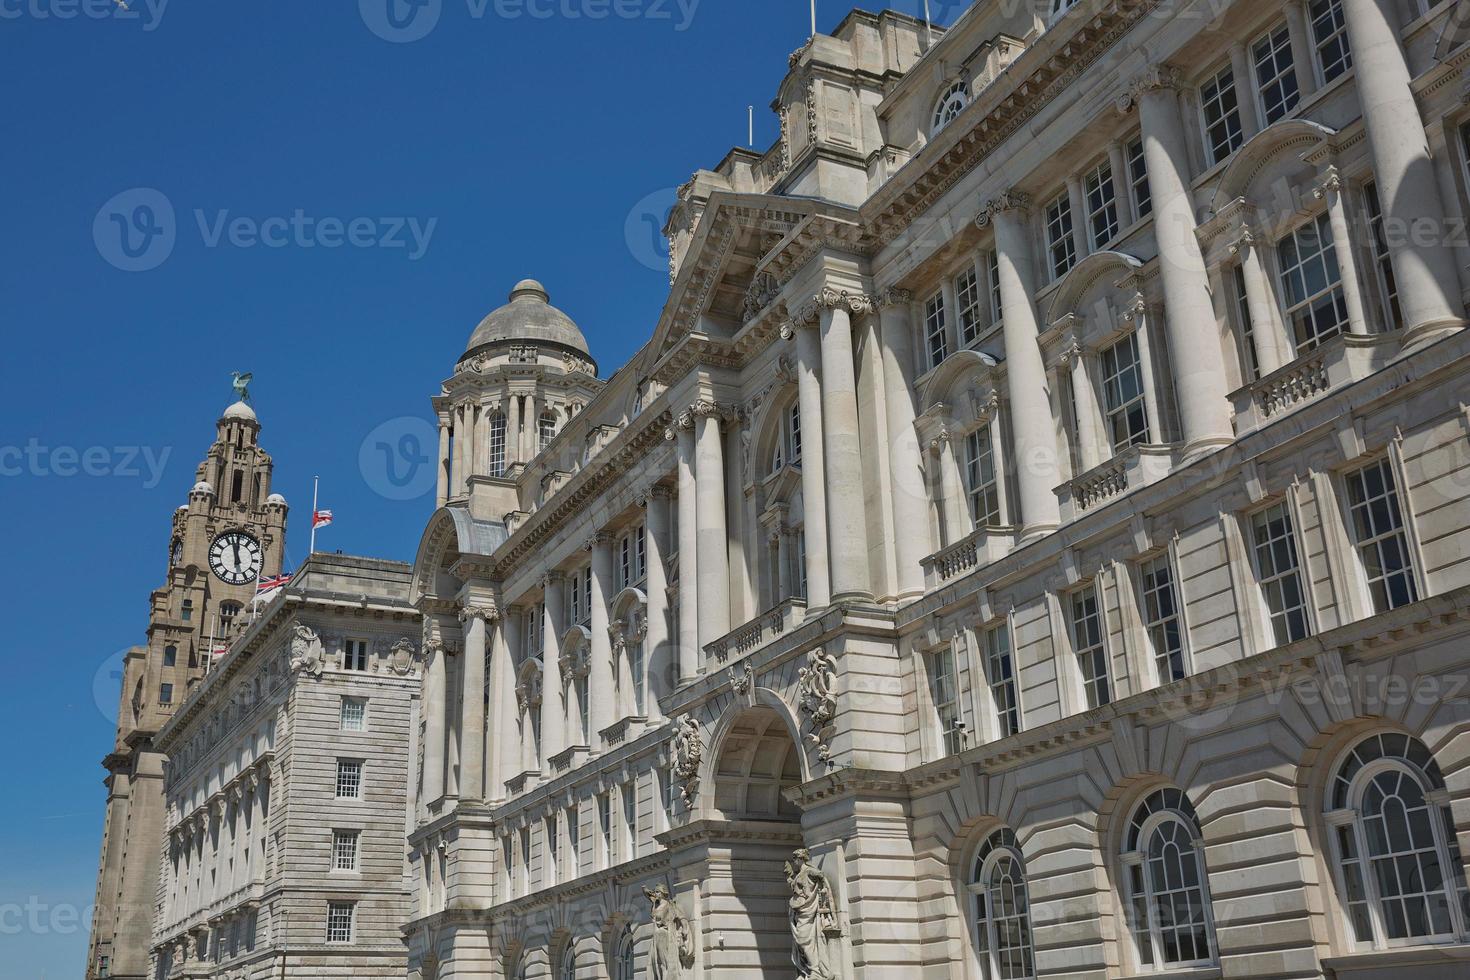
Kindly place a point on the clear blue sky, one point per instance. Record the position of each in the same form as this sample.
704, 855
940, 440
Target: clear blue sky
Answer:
536, 146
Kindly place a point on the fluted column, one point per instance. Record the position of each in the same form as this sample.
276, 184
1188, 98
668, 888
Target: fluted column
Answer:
813, 470
441, 489
660, 670
502, 748
1194, 344
1026, 380
435, 730
905, 465
600, 680
690, 656
553, 698
1414, 217
713, 544
476, 620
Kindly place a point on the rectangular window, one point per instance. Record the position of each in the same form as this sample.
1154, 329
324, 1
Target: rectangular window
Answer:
943, 689
1277, 569
636, 670
552, 864
1162, 620
165, 694
1378, 532
793, 431
339, 921
934, 330
1127, 410
354, 715
1102, 204
1388, 287
630, 821
349, 779
1000, 674
574, 842
604, 826
1138, 178
1061, 247
992, 269
1087, 644
355, 655
536, 629
1249, 356
508, 860
344, 850
525, 836
170, 656
584, 708
981, 484
1315, 307
497, 444
1275, 75
625, 562
1329, 37
967, 288
1221, 107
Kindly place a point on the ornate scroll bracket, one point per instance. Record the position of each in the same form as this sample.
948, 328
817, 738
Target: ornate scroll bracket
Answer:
1011, 200
816, 691
688, 748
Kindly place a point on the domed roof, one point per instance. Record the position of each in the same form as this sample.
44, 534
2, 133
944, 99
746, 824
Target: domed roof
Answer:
203, 487
275, 498
240, 410
528, 316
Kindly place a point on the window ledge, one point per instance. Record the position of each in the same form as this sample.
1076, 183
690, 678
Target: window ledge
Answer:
981, 547
1129, 470
1379, 959
1342, 360
1187, 973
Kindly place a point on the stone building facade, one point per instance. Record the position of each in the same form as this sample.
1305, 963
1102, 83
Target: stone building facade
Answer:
1032, 541
284, 814
230, 534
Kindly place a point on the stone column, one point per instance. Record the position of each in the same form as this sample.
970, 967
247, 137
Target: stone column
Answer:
1093, 444
905, 467
659, 667
1330, 188
1194, 343
477, 440
1424, 266
813, 472
553, 704
1122, 199
1138, 316
1026, 381
1273, 347
456, 459
1081, 222
476, 620
441, 491
847, 522
512, 431
1244, 74
690, 657
434, 718
537, 403
503, 750
1301, 46
782, 536
600, 680
956, 518
713, 544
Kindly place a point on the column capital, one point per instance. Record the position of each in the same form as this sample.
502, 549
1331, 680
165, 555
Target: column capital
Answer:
487, 610
1329, 182
1072, 352
1243, 242
832, 298
1009, 200
553, 577
597, 539
1152, 79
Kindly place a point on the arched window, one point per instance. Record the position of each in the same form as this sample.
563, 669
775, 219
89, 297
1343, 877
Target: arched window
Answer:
497, 444
1002, 913
786, 450
546, 430
625, 964
950, 105
228, 613
569, 961
1400, 877
1167, 889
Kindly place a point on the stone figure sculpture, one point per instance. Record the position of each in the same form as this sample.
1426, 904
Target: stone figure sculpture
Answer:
813, 915
307, 653
673, 943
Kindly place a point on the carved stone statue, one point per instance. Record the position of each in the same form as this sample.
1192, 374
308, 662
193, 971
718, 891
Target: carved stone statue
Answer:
688, 753
241, 384
307, 653
673, 942
813, 915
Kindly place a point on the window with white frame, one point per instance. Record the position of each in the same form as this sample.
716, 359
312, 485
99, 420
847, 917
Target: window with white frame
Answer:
1388, 287
584, 707
1088, 645
339, 921
545, 430
1102, 204
553, 864
349, 779
967, 293
1061, 247
1278, 571
629, 846
579, 597
787, 448
574, 842
1162, 620
536, 629
992, 271
944, 692
1250, 359
353, 717
637, 671
936, 330
1138, 178
1377, 521
355, 655
631, 558
1399, 874
982, 485
1276, 81
344, 850
1123, 398
604, 827
1329, 38
497, 444
1001, 909
1220, 106
1000, 674
1316, 309
950, 105
508, 862
1167, 883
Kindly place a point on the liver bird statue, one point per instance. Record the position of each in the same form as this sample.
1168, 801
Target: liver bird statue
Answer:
242, 385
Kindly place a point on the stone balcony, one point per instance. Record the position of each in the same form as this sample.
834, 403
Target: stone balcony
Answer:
752, 635
981, 547
1342, 360
1134, 467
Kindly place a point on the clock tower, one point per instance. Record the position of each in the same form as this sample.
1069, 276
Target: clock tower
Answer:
228, 536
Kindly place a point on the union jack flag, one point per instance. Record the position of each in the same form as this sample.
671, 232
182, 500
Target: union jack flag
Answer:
269, 584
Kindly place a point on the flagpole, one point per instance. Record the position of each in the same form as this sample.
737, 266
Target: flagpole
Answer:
315, 482
209, 656
814, 18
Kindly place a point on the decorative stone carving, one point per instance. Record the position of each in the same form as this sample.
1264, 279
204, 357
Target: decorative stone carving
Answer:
762, 291
400, 657
813, 917
307, 653
816, 693
1153, 77
688, 753
1010, 200
743, 681
528, 686
489, 611
830, 298
673, 941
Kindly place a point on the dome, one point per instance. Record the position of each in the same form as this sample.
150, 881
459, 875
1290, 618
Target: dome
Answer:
276, 498
528, 316
240, 410
203, 487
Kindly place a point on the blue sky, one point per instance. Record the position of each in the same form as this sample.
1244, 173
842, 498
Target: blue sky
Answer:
348, 198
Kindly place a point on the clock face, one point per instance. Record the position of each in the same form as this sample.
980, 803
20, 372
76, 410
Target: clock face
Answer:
235, 557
